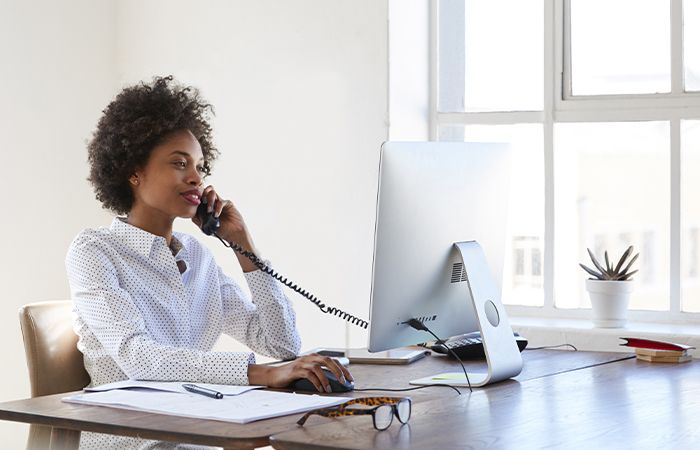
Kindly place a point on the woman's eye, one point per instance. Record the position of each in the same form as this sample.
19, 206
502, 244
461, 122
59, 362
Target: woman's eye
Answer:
180, 164
200, 169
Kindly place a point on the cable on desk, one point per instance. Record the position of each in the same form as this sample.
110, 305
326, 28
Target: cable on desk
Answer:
418, 325
551, 346
409, 389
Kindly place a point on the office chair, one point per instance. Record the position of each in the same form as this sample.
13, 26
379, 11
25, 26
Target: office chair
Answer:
55, 364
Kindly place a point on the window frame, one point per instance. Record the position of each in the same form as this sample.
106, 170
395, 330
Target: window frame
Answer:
560, 106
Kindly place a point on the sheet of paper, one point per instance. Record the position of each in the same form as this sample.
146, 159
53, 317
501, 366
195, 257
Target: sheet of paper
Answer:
247, 407
170, 386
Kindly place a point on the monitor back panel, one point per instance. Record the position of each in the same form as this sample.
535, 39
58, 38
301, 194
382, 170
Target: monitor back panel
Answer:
432, 194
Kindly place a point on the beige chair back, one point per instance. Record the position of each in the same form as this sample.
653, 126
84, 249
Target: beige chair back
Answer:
55, 364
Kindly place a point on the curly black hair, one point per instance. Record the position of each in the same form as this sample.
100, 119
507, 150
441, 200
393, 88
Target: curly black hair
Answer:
133, 124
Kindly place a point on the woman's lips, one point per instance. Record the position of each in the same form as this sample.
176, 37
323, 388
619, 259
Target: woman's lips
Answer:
192, 198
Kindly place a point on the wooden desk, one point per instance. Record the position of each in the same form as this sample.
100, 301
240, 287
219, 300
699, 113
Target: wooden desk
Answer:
626, 404
68, 419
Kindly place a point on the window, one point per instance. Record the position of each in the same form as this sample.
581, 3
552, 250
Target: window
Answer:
691, 44
690, 215
611, 184
690, 255
602, 110
602, 31
527, 272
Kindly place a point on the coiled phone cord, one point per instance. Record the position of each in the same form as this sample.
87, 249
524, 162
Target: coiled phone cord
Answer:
263, 267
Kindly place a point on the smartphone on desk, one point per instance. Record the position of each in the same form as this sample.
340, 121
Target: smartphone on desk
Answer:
362, 356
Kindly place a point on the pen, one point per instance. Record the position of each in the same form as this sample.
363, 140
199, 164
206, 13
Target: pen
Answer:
203, 391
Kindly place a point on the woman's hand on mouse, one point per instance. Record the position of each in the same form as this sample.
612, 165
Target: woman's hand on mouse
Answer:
308, 366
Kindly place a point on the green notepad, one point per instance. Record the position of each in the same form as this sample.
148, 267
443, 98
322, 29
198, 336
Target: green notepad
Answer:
449, 376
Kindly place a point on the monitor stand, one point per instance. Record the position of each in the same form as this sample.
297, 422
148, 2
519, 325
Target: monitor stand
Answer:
502, 355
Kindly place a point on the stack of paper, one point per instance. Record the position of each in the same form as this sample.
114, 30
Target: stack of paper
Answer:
659, 351
241, 404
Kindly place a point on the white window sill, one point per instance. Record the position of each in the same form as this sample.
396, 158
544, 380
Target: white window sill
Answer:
584, 336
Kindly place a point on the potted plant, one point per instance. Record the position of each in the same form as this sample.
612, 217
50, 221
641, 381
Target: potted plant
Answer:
610, 289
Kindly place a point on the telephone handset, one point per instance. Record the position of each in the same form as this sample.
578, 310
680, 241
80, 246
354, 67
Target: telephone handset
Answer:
210, 225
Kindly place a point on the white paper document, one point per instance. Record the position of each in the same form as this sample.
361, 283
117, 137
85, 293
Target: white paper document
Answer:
243, 408
170, 386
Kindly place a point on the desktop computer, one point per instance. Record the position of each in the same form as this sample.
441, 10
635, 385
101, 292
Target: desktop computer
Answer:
442, 209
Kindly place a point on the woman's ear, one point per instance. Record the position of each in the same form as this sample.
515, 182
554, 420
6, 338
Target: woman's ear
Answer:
134, 180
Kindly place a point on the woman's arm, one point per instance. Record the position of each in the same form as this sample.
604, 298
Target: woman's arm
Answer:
267, 324
111, 315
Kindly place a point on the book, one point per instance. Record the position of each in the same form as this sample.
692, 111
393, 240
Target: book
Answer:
652, 344
665, 359
651, 352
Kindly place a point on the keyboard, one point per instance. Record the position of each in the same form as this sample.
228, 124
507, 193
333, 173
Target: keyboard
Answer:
469, 346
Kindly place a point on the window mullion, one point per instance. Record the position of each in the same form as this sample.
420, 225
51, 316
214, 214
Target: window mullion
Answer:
491, 118
433, 74
627, 115
633, 102
675, 238
677, 83
552, 93
564, 37
451, 62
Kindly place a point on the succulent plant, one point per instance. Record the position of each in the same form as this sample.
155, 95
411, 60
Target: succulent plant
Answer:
612, 272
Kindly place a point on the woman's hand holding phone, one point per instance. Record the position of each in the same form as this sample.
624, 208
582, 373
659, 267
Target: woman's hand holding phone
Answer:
232, 226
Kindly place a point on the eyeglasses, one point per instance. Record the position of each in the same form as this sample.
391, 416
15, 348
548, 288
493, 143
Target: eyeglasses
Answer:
385, 408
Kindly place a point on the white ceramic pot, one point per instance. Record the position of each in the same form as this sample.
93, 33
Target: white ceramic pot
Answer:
609, 300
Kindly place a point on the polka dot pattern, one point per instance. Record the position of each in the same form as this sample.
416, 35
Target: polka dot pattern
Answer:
146, 311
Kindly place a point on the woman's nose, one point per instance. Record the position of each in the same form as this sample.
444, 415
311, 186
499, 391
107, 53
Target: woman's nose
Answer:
196, 178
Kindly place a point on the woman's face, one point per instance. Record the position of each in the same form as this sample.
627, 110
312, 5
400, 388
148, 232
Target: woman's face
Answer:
170, 184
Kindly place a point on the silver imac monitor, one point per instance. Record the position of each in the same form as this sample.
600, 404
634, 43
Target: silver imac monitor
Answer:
432, 196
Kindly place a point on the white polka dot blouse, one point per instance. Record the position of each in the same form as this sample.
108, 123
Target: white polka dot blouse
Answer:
146, 311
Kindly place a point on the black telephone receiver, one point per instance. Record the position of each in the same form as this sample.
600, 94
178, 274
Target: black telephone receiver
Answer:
210, 226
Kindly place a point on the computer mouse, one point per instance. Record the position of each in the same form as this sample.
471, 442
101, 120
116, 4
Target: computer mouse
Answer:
305, 385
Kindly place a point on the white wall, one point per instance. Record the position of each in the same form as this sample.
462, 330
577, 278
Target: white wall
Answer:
300, 93
56, 75
300, 90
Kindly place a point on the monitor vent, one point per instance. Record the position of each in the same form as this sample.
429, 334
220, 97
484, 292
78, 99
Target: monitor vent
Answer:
458, 273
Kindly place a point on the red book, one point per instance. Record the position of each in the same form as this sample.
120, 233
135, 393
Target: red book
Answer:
654, 345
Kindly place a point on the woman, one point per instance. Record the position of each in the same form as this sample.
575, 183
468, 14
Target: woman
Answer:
150, 302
